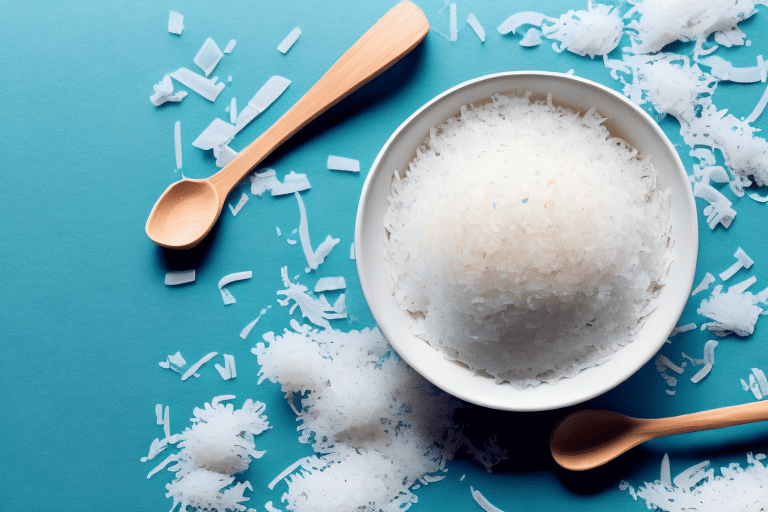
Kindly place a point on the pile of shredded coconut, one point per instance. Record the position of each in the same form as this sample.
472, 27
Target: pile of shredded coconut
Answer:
380, 427
546, 239
697, 488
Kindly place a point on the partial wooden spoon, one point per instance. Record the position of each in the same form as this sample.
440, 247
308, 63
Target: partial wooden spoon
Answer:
188, 209
591, 437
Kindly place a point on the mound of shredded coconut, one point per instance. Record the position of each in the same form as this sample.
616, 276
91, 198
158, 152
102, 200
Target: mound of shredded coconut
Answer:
697, 488
547, 239
380, 427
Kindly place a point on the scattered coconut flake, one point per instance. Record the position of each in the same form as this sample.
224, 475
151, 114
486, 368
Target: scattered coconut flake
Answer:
277, 228
239, 206
227, 371
208, 56
719, 210
304, 234
324, 249
292, 183
233, 110
231, 278
709, 360
484, 503
206, 88
192, 369
175, 23
472, 20
742, 286
663, 362
704, 284
263, 180
757, 197
174, 362
290, 469
751, 118
731, 312
352, 251
330, 283
179, 277
177, 143
724, 70
317, 311
224, 155
263, 98
454, 31
755, 387
291, 38
230, 46
743, 261
761, 380
682, 328
164, 92
532, 38
271, 508
519, 19
744, 385
666, 474
217, 134
247, 329
339, 163
291, 241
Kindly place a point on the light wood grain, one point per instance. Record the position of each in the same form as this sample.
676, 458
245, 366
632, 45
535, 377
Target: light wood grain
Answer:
589, 438
188, 209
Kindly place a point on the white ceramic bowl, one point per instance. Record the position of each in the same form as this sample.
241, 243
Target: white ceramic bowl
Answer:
625, 120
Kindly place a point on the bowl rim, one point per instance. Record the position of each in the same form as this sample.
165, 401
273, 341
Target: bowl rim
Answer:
688, 271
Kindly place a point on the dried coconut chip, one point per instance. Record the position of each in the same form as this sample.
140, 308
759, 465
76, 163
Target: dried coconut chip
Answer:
179, 277
247, 329
724, 70
164, 92
227, 371
339, 163
291, 38
352, 251
224, 155
192, 369
744, 261
519, 19
472, 20
263, 180
484, 503
208, 56
761, 380
175, 23
292, 183
215, 135
454, 30
532, 38
231, 278
230, 46
708, 279
755, 387
757, 197
206, 88
742, 286
263, 98
709, 360
177, 143
324, 249
682, 328
233, 110
309, 254
330, 283
240, 204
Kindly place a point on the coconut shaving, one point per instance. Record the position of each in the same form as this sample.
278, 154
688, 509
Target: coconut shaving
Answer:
528, 242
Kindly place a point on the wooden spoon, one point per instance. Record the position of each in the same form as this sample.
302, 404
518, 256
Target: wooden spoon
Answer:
591, 437
188, 209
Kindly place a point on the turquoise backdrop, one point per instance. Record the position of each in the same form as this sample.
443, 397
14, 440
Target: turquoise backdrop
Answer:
85, 316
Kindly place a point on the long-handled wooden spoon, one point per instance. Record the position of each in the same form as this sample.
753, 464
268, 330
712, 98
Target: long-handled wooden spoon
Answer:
589, 438
188, 209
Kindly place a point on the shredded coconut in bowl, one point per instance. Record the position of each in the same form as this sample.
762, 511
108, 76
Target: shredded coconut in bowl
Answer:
527, 240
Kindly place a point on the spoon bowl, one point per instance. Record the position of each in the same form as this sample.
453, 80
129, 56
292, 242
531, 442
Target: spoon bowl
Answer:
184, 214
589, 438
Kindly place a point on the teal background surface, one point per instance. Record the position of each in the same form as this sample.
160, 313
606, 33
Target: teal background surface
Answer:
85, 316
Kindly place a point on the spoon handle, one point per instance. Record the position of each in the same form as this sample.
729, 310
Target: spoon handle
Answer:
706, 420
394, 35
